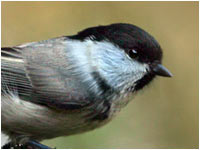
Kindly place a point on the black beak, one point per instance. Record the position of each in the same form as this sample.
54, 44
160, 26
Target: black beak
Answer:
162, 71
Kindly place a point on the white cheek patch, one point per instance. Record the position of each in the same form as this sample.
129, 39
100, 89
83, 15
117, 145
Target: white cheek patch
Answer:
116, 66
111, 62
138, 70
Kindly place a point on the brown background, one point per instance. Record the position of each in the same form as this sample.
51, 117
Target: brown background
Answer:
165, 114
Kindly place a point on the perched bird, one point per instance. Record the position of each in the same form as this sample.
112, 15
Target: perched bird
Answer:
73, 84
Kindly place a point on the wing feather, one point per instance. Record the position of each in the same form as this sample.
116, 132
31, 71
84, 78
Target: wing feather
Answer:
31, 73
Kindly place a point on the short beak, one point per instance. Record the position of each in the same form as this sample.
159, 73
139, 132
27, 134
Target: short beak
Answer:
162, 71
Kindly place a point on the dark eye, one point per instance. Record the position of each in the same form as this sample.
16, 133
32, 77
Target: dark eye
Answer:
133, 54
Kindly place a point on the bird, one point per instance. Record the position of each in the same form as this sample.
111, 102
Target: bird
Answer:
73, 84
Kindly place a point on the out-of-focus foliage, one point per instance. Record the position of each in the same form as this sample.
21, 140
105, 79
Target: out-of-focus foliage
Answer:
165, 114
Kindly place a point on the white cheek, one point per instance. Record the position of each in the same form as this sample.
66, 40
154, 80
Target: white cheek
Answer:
112, 63
138, 69
116, 66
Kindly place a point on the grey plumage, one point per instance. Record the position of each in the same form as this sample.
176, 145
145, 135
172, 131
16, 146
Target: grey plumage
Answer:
50, 83
74, 84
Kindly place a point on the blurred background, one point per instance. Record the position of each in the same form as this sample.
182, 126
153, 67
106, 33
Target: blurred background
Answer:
165, 114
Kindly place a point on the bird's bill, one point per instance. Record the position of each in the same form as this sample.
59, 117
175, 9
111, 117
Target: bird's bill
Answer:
160, 70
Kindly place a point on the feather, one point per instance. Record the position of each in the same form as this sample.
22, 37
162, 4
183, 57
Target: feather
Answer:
34, 75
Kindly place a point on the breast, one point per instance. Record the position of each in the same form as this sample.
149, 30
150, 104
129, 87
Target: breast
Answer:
38, 122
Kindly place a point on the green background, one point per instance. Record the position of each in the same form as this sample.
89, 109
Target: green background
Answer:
165, 114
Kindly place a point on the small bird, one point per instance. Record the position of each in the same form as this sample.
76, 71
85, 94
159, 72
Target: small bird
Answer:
73, 84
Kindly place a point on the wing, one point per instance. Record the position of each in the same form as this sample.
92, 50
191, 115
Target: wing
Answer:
35, 73
13, 76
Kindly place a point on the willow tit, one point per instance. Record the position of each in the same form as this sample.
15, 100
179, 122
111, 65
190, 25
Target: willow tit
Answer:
73, 84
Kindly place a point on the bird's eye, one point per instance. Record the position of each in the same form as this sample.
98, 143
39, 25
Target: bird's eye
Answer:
133, 54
